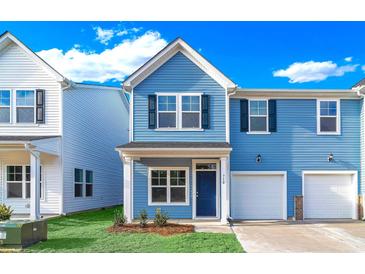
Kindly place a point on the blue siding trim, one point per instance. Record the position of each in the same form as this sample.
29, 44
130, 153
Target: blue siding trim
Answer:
179, 74
140, 188
296, 146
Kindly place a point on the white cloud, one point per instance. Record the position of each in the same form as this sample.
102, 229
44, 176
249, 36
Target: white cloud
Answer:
348, 59
111, 64
312, 71
103, 35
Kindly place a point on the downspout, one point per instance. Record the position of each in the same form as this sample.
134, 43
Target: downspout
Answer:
360, 92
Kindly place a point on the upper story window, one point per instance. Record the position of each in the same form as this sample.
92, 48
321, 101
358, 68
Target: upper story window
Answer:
25, 106
5, 100
258, 121
179, 111
167, 112
328, 117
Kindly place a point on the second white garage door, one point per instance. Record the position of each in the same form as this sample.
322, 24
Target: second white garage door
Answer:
258, 196
329, 195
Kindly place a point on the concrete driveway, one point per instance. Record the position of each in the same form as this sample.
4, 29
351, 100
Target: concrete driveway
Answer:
339, 236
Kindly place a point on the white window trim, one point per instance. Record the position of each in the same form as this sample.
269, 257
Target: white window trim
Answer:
179, 112
16, 106
338, 117
83, 183
168, 187
24, 183
267, 116
10, 106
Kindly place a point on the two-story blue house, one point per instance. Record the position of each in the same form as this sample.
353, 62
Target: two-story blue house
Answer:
202, 148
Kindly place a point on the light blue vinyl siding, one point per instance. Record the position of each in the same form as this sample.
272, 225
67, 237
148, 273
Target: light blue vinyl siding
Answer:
140, 187
179, 74
362, 133
296, 146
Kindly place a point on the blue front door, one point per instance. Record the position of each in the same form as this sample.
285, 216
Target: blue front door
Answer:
206, 194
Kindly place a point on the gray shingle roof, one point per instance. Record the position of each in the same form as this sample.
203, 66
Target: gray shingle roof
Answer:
24, 138
360, 83
173, 145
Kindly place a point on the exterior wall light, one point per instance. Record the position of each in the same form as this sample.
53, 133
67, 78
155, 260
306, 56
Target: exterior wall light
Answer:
330, 157
258, 158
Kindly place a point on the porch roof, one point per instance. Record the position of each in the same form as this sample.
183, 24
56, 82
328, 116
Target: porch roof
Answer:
175, 149
24, 138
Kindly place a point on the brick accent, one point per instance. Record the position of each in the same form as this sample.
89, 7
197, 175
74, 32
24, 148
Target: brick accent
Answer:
360, 207
298, 207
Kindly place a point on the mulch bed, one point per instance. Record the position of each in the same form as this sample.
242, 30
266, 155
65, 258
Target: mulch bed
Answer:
166, 230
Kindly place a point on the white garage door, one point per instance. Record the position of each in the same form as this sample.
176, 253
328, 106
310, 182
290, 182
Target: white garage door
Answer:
329, 196
258, 196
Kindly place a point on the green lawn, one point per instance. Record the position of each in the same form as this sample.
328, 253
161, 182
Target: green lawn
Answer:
85, 232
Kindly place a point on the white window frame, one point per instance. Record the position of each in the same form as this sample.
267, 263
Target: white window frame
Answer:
338, 117
16, 106
10, 107
168, 187
24, 183
79, 183
179, 112
92, 183
167, 111
266, 116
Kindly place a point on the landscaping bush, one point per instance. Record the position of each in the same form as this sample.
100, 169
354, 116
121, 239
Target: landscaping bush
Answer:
160, 218
119, 218
143, 218
5, 212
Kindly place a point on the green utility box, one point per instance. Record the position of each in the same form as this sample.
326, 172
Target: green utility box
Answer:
22, 233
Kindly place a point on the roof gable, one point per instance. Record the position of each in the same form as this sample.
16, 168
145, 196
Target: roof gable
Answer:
178, 45
7, 38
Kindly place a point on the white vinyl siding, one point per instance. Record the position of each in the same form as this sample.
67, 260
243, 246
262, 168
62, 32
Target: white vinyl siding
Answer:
90, 112
51, 182
18, 71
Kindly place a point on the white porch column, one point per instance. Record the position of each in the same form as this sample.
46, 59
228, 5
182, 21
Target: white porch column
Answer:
35, 185
128, 188
224, 189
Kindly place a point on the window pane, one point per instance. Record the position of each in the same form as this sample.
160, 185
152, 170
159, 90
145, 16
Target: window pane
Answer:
27, 190
206, 166
328, 124
190, 120
89, 176
14, 173
25, 115
167, 120
79, 175
27, 173
78, 190
25, 98
4, 98
173, 181
159, 194
15, 190
328, 108
4, 115
178, 194
190, 103
258, 124
167, 103
258, 108
89, 190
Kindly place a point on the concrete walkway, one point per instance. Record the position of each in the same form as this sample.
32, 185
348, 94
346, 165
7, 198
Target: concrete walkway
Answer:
337, 236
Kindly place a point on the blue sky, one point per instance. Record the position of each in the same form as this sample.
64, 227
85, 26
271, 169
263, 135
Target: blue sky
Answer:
252, 54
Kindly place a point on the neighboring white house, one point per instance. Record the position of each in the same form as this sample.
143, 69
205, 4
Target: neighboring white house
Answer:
57, 133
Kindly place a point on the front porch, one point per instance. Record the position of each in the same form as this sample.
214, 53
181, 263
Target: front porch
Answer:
185, 180
30, 176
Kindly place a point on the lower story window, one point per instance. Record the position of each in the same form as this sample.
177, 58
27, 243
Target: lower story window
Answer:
18, 182
89, 183
168, 186
79, 182
83, 182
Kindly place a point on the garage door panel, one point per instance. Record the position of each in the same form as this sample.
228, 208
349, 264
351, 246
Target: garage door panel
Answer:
328, 196
258, 196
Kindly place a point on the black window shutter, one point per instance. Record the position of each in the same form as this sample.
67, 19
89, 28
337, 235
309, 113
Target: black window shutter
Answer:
244, 114
272, 115
205, 111
40, 106
152, 111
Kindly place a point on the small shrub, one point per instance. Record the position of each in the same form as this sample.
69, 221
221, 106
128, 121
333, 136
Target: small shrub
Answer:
119, 218
160, 218
5, 212
143, 218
